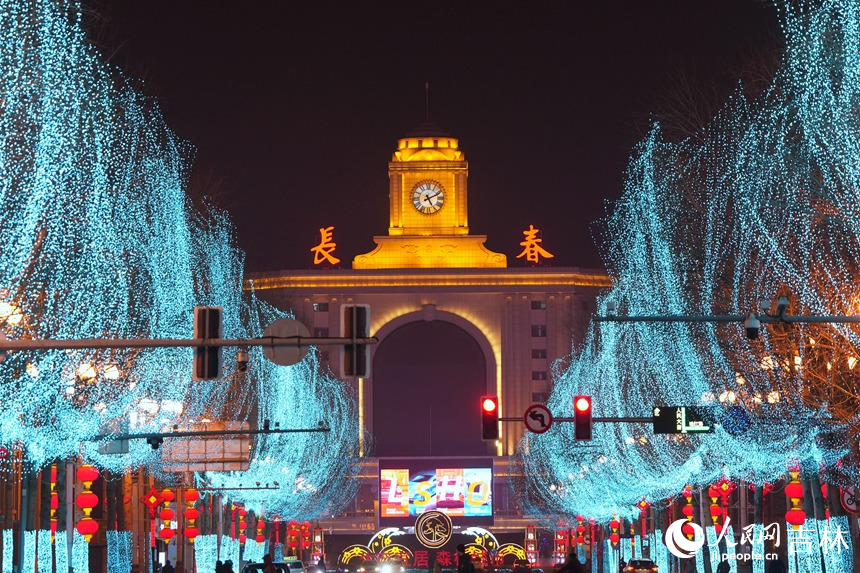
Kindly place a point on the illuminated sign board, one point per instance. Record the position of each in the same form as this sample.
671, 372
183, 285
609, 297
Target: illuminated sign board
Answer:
681, 420
460, 488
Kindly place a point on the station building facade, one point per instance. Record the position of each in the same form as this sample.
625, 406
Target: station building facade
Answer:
453, 322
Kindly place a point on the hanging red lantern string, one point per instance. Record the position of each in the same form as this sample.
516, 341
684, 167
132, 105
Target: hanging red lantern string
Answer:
260, 525
795, 515
191, 514
242, 526
306, 535
580, 532
614, 537
55, 502
87, 500
167, 515
293, 534
277, 520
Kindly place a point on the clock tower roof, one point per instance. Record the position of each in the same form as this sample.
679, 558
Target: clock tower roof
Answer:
427, 143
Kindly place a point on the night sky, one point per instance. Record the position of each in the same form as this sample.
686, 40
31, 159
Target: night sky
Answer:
295, 107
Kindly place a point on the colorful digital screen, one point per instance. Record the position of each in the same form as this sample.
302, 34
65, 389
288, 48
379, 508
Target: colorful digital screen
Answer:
461, 488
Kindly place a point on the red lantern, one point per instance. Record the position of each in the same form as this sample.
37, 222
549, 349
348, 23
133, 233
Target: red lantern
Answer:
687, 510
166, 534
260, 538
714, 492
580, 529
795, 517
614, 538
688, 530
191, 495
243, 538
718, 528
191, 514
794, 490
168, 496
166, 514
191, 532
614, 524
87, 474
87, 527
87, 500
716, 512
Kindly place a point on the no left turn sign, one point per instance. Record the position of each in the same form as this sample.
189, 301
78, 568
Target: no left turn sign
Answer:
537, 418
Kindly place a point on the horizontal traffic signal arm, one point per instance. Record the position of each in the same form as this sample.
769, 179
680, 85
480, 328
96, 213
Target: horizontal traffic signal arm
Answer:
270, 341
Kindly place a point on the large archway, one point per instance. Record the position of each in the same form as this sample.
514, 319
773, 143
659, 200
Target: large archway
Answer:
428, 377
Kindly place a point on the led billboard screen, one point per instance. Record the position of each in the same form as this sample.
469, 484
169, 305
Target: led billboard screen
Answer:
459, 487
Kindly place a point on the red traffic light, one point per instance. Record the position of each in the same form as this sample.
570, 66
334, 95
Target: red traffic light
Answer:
489, 417
582, 417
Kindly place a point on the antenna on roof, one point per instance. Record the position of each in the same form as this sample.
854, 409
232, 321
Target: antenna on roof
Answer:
427, 97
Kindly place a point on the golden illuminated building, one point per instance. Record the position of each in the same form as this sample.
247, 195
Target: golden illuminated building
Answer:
433, 286
453, 321
429, 210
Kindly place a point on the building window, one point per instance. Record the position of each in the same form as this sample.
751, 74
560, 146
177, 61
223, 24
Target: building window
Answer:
320, 332
538, 352
539, 375
539, 330
320, 307
538, 305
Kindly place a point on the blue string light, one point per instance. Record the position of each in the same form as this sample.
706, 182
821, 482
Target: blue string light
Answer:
762, 201
101, 241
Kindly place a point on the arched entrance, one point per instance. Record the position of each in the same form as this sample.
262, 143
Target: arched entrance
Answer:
428, 377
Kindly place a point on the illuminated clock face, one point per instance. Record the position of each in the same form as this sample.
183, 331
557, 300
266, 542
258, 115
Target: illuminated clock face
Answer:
428, 197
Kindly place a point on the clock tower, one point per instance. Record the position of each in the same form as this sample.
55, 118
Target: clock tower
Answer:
428, 209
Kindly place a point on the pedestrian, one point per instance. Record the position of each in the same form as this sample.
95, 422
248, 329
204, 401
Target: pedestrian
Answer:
219, 566
723, 567
464, 562
622, 565
321, 565
690, 565
167, 568
228, 566
268, 566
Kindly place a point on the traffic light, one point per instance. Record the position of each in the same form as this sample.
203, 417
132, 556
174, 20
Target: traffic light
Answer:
582, 417
489, 418
355, 323
208, 323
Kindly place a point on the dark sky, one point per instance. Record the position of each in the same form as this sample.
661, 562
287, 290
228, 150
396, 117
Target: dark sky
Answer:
296, 107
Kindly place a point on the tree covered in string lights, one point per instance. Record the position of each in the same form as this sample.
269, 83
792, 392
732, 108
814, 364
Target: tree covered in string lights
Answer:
764, 201
100, 240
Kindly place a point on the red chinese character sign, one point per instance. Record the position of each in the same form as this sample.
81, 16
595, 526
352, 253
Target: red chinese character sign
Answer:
323, 251
532, 250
